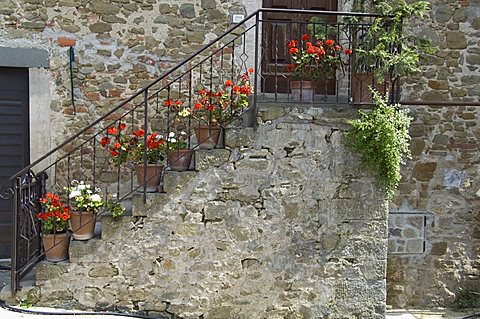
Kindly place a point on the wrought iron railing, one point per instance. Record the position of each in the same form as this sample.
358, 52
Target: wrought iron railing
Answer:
256, 48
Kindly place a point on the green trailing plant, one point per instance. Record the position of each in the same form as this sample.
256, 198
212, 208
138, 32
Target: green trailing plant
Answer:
388, 48
466, 298
112, 205
382, 139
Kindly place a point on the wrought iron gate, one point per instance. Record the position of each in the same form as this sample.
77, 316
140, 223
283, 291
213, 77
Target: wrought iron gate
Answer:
26, 250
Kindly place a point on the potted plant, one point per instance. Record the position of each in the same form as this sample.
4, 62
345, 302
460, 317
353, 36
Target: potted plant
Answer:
215, 108
178, 155
131, 147
312, 60
85, 202
387, 50
54, 218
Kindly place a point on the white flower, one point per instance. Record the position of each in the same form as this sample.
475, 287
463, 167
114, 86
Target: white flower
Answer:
173, 140
96, 198
183, 133
171, 134
184, 113
74, 193
81, 186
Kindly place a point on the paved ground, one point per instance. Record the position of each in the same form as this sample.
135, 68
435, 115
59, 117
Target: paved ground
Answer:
391, 314
427, 314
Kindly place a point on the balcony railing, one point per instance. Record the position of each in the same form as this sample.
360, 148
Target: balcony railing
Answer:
248, 63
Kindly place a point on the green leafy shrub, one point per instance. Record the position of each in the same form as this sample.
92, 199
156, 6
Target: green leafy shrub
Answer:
466, 298
381, 137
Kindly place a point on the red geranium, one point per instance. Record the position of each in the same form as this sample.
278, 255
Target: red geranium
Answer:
316, 58
54, 215
219, 106
124, 147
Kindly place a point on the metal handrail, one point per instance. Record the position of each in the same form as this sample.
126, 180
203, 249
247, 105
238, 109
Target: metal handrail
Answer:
178, 66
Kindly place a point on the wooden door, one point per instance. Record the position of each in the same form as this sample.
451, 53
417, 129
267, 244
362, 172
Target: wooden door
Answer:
14, 140
278, 30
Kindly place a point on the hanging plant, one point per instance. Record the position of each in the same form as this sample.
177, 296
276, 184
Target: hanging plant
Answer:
382, 139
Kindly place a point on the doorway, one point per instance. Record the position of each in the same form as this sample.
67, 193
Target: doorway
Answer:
278, 30
14, 140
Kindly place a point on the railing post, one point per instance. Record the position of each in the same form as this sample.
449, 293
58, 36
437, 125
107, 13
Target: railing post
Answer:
255, 80
14, 250
145, 128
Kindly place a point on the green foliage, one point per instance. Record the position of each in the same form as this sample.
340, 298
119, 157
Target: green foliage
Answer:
381, 138
117, 209
389, 48
114, 206
320, 29
466, 298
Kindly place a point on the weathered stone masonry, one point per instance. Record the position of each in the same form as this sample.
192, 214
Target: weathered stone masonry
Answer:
442, 180
121, 45
282, 224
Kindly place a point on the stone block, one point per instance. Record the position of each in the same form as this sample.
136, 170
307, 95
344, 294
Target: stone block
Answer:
46, 270
103, 271
176, 181
154, 201
439, 249
424, 171
269, 112
343, 209
205, 159
414, 246
103, 7
111, 227
217, 211
100, 27
238, 137
456, 40
187, 10
80, 251
443, 13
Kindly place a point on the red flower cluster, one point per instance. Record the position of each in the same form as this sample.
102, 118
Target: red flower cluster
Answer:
315, 59
54, 215
220, 106
170, 102
154, 141
123, 147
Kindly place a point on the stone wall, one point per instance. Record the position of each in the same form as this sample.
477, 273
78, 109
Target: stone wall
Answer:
442, 180
283, 223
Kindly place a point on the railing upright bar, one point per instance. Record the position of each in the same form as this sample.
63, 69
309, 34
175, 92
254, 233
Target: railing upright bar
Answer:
145, 128
190, 93
255, 79
14, 283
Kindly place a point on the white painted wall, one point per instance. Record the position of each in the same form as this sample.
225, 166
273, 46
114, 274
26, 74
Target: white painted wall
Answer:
41, 126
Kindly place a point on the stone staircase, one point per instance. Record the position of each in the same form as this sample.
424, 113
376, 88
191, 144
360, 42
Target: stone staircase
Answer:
281, 223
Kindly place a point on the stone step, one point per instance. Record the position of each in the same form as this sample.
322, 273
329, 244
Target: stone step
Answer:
141, 209
111, 226
83, 250
205, 159
239, 137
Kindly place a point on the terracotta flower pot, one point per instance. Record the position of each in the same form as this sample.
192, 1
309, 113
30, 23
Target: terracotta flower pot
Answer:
56, 246
82, 224
207, 136
302, 91
179, 160
154, 174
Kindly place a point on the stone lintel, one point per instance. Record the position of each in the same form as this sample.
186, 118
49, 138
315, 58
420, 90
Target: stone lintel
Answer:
24, 57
